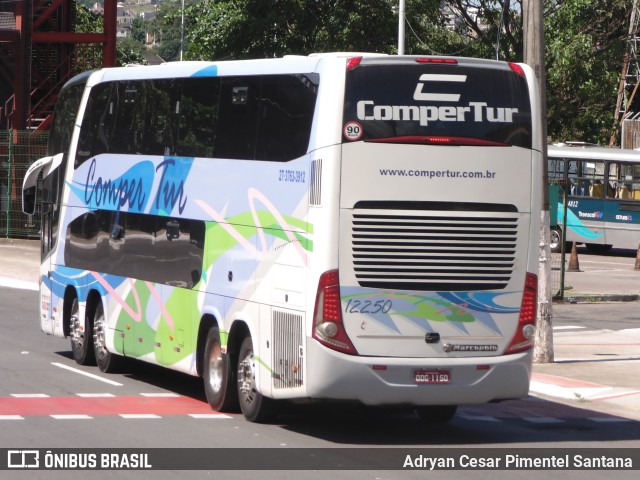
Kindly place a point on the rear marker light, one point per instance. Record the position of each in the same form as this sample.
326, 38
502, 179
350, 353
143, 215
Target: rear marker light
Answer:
516, 69
523, 338
328, 328
450, 61
353, 62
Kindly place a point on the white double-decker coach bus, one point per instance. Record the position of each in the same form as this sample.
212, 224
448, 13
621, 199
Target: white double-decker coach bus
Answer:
333, 227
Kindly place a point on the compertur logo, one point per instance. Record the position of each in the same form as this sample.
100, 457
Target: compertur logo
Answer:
437, 97
368, 110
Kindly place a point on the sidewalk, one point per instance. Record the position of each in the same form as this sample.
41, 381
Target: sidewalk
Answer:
598, 370
613, 280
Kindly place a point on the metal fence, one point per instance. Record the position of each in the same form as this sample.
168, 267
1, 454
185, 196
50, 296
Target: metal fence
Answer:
18, 150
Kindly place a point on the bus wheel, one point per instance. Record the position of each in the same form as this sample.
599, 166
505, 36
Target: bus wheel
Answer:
437, 413
255, 407
107, 362
555, 241
219, 375
80, 333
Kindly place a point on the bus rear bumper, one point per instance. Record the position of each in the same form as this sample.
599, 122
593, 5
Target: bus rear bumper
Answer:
391, 381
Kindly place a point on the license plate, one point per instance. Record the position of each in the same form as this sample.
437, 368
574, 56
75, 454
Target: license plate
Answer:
431, 377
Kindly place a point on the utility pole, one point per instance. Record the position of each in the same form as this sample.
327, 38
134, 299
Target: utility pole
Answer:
401, 27
534, 56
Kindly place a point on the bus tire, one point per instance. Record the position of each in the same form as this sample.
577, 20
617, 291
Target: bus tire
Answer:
81, 336
438, 414
255, 406
107, 361
219, 375
555, 240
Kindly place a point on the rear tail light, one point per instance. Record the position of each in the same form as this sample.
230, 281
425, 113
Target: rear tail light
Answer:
525, 333
516, 69
328, 328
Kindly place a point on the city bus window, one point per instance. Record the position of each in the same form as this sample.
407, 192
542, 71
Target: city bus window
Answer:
587, 178
624, 180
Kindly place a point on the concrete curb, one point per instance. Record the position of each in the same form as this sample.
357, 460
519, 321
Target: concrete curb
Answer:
599, 297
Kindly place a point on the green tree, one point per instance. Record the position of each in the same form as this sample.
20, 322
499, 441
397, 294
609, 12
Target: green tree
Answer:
127, 50
586, 41
221, 29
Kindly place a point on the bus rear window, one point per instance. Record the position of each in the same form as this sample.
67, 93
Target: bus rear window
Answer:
401, 103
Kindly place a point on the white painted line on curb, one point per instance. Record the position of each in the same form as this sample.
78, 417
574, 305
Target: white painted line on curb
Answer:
95, 395
29, 395
212, 416
11, 417
71, 417
161, 395
139, 415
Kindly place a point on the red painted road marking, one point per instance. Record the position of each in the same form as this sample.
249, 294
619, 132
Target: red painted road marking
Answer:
102, 406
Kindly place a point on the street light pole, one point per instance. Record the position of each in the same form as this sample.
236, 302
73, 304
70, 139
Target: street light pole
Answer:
533, 24
401, 27
182, 31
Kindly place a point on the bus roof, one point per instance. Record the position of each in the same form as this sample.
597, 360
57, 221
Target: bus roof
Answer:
591, 152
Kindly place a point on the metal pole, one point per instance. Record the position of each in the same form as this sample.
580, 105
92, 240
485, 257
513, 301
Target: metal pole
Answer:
401, 27
182, 31
11, 152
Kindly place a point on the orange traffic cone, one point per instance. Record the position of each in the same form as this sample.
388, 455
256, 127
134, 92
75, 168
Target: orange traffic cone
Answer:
574, 265
637, 267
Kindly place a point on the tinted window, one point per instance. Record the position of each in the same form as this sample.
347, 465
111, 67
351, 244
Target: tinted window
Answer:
250, 117
198, 117
130, 244
237, 130
64, 119
287, 104
421, 100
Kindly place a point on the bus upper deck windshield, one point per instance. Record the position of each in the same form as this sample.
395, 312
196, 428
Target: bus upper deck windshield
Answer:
431, 101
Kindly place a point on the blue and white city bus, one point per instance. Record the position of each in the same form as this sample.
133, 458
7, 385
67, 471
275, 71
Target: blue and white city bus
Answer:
603, 195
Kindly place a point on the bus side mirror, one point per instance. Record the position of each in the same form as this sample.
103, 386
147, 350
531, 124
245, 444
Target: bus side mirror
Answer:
29, 200
30, 182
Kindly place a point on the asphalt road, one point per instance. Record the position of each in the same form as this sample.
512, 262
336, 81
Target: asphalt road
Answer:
47, 401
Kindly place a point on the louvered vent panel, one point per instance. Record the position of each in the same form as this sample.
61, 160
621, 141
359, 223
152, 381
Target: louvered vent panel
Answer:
447, 251
315, 188
287, 350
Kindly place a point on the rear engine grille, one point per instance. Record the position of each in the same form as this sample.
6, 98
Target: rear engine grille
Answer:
459, 250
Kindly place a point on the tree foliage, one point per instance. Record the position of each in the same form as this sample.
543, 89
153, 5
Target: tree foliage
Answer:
254, 29
585, 39
89, 22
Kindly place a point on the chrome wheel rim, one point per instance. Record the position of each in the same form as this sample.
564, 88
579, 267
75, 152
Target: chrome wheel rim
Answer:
77, 335
215, 368
246, 379
99, 333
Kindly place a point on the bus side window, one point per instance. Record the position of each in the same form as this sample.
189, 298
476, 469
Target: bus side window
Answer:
198, 116
597, 189
581, 187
